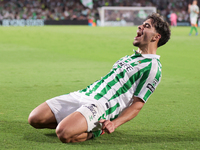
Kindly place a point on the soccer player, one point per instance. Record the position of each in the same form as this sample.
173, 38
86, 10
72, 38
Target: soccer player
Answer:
173, 19
194, 11
114, 99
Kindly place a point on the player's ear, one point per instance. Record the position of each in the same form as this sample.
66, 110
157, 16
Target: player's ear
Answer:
156, 37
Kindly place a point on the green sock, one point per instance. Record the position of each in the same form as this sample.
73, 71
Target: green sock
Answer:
191, 29
195, 29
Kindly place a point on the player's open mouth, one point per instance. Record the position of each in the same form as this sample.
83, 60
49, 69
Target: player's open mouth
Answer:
139, 34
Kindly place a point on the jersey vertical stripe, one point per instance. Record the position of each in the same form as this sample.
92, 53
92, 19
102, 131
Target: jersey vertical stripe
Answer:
98, 83
109, 85
143, 80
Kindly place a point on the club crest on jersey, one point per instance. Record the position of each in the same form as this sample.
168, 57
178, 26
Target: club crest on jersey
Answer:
137, 62
151, 86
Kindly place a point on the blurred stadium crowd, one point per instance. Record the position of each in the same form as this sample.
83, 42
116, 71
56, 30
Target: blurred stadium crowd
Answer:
74, 10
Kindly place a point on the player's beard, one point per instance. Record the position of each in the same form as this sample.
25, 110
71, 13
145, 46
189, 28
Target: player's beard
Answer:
136, 43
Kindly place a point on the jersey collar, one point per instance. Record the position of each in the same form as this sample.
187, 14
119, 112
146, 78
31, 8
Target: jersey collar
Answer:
151, 56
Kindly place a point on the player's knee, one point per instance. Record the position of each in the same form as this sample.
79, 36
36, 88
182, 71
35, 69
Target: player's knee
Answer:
34, 121
63, 135
63, 139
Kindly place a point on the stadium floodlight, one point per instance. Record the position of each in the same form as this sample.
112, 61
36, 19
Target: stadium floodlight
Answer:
124, 16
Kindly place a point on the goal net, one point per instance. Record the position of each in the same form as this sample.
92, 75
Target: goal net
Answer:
124, 16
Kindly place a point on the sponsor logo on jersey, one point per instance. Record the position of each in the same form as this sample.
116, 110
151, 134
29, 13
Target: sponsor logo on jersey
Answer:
151, 86
92, 109
126, 66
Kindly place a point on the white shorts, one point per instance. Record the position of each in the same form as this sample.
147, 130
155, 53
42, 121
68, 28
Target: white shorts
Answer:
64, 105
193, 20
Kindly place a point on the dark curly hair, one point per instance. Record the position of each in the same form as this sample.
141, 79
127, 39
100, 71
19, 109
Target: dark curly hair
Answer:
161, 26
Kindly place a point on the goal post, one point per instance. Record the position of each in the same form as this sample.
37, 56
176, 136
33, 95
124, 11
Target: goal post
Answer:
124, 16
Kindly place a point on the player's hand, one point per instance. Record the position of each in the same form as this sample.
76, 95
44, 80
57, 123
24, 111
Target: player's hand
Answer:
107, 126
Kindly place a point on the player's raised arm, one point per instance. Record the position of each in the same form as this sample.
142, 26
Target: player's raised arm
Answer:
189, 5
128, 114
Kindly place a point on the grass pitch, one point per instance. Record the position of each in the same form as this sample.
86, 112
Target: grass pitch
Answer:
38, 63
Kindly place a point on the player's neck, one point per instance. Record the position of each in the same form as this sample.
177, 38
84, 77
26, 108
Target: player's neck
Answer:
150, 48
147, 50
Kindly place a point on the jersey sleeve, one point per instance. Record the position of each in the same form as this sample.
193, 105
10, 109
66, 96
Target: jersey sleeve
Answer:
148, 81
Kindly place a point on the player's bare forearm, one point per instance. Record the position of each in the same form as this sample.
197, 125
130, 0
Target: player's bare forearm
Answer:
189, 8
128, 114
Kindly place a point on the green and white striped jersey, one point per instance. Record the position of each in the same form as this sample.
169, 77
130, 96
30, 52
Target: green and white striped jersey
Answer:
194, 8
136, 75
